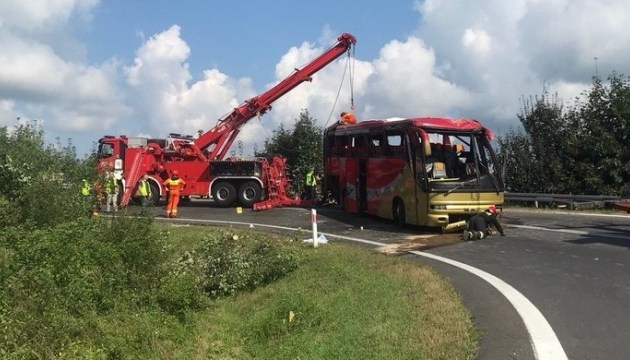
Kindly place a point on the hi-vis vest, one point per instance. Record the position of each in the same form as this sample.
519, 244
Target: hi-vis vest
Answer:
143, 188
86, 188
111, 187
310, 179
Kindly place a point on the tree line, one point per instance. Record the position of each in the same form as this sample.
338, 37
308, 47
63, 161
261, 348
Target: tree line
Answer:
580, 148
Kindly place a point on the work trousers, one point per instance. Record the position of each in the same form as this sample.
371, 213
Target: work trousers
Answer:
173, 202
112, 202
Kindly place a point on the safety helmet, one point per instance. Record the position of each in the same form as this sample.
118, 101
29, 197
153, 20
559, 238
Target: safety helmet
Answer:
175, 173
492, 210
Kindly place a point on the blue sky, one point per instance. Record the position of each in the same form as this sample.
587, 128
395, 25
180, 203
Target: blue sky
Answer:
86, 68
246, 38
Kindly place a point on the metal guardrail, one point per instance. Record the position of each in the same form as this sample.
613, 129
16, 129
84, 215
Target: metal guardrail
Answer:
563, 200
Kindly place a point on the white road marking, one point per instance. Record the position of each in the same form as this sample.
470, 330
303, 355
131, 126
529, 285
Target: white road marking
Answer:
568, 231
545, 343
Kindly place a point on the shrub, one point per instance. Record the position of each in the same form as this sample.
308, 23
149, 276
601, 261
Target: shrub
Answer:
229, 264
54, 283
8, 214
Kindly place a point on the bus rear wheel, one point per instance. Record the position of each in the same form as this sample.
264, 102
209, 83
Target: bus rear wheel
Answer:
398, 212
224, 194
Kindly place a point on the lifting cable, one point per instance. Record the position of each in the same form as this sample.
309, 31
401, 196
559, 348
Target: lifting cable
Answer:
351, 76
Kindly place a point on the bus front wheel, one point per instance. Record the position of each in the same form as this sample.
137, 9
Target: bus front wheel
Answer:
398, 211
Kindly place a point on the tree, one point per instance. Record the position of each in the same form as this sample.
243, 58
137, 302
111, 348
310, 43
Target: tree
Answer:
582, 149
602, 124
302, 146
535, 158
39, 183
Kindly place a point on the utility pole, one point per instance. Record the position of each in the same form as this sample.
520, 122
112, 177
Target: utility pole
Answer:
596, 68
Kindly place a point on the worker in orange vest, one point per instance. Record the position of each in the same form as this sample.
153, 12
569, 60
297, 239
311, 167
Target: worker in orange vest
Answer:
347, 118
173, 185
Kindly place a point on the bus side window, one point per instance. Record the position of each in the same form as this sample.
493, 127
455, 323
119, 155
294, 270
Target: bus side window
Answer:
395, 145
375, 148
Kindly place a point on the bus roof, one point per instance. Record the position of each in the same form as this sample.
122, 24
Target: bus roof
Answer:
421, 122
425, 123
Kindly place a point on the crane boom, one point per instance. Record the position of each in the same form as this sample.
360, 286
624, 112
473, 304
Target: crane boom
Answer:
223, 135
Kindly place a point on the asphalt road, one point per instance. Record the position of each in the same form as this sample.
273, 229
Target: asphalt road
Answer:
573, 269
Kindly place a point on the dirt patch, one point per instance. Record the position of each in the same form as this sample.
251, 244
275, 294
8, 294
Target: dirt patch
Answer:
419, 243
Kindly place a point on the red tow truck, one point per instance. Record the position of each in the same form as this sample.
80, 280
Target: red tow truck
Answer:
259, 183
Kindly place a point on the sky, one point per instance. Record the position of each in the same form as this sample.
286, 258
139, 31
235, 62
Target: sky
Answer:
88, 68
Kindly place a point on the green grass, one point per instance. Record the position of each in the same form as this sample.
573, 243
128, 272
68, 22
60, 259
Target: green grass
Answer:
130, 289
348, 303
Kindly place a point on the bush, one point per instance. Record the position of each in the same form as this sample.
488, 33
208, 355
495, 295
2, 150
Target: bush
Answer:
41, 182
229, 264
8, 214
54, 284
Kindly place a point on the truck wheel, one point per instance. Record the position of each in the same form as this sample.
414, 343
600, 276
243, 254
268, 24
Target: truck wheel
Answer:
249, 193
155, 193
224, 194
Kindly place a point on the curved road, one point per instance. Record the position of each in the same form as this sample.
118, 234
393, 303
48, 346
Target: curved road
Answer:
572, 269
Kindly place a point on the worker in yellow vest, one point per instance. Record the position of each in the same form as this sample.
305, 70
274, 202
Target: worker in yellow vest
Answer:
111, 189
310, 184
144, 191
86, 189
173, 185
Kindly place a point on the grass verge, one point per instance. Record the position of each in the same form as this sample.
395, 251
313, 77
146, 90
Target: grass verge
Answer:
130, 289
342, 302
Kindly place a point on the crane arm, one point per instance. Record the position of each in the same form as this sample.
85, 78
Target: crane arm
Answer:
223, 135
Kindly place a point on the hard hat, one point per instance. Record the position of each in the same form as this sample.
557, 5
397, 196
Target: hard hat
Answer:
175, 173
492, 210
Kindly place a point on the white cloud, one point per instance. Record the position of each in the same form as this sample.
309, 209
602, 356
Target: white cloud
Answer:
46, 79
7, 112
501, 51
407, 83
39, 15
160, 83
464, 60
478, 41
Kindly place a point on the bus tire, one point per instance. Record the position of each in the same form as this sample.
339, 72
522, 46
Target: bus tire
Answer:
249, 193
398, 213
224, 194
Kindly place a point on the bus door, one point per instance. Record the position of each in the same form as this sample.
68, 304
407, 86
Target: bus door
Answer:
350, 189
421, 151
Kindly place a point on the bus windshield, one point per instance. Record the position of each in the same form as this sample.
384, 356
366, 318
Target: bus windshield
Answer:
456, 161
